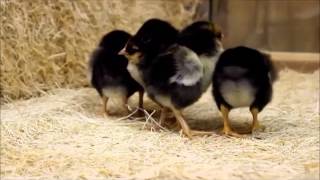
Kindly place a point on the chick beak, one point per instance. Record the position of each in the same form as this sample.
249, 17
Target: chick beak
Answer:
222, 36
123, 52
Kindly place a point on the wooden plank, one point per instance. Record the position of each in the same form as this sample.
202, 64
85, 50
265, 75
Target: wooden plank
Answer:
295, 57
303, 62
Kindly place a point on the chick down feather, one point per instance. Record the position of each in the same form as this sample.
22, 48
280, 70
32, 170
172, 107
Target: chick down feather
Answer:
188, 65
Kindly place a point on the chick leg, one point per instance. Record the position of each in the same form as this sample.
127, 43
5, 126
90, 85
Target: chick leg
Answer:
140, 113
255, 123
162, 119
185, 127
125, 104
141, 99
171, 123
104, 102
226, 126
175, 126
163, 115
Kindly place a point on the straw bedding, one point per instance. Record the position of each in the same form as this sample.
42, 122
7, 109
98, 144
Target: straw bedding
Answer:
63, 135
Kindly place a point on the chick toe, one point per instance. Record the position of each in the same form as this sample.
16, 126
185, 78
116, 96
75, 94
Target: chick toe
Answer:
229, 132
201, 133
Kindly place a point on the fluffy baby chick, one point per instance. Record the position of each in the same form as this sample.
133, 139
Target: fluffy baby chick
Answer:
108, 71
204, 38
243, 77
170, 73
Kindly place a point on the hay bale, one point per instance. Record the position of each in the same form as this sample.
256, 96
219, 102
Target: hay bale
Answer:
62, 136
45, 44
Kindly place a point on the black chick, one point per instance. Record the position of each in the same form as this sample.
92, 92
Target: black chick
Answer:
204, 38
169, 72
108, 70
243, 77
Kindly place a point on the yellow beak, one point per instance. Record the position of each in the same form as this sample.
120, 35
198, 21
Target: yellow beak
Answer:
123, 51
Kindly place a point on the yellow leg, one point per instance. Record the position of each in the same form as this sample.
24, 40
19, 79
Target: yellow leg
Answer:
255, 123
141, 99
171, 123
226, 126
163, 115
162, 119
140, 113
185, 127
125, 104
105, 101
176, 126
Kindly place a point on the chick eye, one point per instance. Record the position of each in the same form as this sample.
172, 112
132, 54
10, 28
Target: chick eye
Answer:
219, 35
131, 49
145, 40
135, 48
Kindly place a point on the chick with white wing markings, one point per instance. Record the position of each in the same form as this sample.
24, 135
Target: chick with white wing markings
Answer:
204, 38
171, 72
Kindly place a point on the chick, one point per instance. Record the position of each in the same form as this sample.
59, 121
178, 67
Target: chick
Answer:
243, 77
170, 73
108, 71
204, 38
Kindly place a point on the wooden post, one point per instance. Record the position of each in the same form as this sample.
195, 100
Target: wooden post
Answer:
210, 13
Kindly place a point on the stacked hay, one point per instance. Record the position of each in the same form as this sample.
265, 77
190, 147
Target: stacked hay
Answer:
45, 44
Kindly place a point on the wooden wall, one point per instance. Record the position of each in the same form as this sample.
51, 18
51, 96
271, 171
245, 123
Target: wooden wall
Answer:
276, 25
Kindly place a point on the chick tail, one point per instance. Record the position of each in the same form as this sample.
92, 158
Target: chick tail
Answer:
94, 56
274, 75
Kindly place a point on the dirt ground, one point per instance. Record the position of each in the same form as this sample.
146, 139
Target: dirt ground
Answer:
63, 135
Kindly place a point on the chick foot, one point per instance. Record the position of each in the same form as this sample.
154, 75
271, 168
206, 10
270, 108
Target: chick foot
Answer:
229, 132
